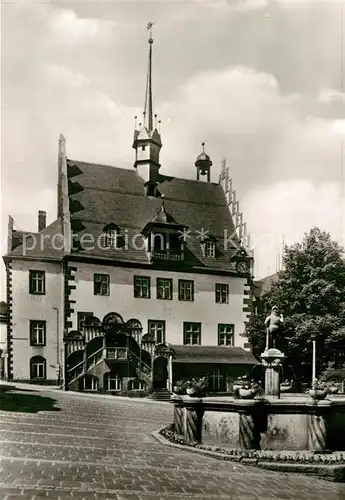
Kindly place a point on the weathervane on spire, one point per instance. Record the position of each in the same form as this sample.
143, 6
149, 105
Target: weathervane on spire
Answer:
149, 27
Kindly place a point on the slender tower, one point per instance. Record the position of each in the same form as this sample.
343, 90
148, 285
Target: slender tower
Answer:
147, 140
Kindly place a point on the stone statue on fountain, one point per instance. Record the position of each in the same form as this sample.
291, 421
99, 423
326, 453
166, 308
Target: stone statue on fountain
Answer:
273, 324
272, 358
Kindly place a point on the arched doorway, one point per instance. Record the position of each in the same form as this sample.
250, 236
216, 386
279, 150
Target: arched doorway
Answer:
160, 373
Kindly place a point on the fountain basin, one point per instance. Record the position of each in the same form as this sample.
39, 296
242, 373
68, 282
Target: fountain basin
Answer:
289, 423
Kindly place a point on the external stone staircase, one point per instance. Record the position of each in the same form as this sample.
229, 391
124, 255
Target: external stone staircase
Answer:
161, 395
97, 361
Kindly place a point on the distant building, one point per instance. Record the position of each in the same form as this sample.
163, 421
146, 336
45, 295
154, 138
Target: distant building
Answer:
140, 281
260, 288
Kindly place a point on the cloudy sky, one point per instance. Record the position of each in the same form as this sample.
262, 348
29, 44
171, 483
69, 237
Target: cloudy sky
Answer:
261, 82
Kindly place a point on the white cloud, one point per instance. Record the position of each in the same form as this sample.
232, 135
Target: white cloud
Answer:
286, 211
68, 27
331, 95
339, 126
61, 75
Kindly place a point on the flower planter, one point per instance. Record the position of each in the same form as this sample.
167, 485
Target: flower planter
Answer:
178, 391
236, 387
246, 393
333, 389
190, 391
285, 387
318, 393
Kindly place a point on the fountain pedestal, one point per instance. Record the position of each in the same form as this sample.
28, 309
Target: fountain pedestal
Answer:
272, 360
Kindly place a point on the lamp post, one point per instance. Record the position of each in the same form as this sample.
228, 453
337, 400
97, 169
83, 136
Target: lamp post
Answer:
57, 367
313, 377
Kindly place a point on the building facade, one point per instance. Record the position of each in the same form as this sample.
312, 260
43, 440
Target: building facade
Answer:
3, 340
142, 279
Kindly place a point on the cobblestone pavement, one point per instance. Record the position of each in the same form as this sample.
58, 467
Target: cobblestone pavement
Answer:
100, 447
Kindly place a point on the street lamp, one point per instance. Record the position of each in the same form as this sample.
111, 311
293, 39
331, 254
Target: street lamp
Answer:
313, 377
57, 367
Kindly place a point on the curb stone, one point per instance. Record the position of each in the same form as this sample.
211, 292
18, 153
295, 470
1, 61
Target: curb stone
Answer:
215, 454
54, 388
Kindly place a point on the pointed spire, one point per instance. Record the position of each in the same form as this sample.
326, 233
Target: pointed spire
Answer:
148, 109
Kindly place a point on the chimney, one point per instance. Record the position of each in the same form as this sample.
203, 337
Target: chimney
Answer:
41, 220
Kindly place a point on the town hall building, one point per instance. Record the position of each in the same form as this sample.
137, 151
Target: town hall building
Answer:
141, 280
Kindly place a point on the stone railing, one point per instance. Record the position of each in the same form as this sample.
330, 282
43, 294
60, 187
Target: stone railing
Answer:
172, 255
261, 424
116, 353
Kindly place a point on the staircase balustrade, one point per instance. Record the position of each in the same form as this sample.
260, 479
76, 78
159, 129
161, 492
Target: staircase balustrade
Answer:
143, 370
116, 353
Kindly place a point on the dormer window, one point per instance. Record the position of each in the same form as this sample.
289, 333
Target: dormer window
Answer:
163, 237
111, 236
208, 246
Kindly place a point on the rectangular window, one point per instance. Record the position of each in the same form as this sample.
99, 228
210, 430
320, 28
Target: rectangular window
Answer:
141, 385
37, 282
142, 285
114, 384
225, 334
37, 332
157, 330
186, 290
222, 293
210, 248
192, 333
82, 318
90, 383
101, 284
38, 369
110, 239
164, 288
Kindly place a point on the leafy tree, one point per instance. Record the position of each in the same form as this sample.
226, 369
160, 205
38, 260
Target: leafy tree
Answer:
310, 292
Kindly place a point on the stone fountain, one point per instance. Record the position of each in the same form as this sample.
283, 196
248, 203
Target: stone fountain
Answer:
266, 423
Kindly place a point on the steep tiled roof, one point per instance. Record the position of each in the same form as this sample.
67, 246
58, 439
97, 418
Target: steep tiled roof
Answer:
105, 194
101, 195
212, 354
264, 285
45, 244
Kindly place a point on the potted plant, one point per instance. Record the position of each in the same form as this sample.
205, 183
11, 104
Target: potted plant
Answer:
286, 386
237, 384
180, 387
248, 389
200, 387
196, 387
318, 390
333, 388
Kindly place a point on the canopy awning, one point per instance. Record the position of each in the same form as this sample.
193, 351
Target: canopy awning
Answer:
212, 354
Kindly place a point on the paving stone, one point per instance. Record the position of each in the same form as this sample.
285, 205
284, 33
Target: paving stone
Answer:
99, 448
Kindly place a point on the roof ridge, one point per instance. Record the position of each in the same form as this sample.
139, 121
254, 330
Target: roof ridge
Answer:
169, 198
165, 177
102, 165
